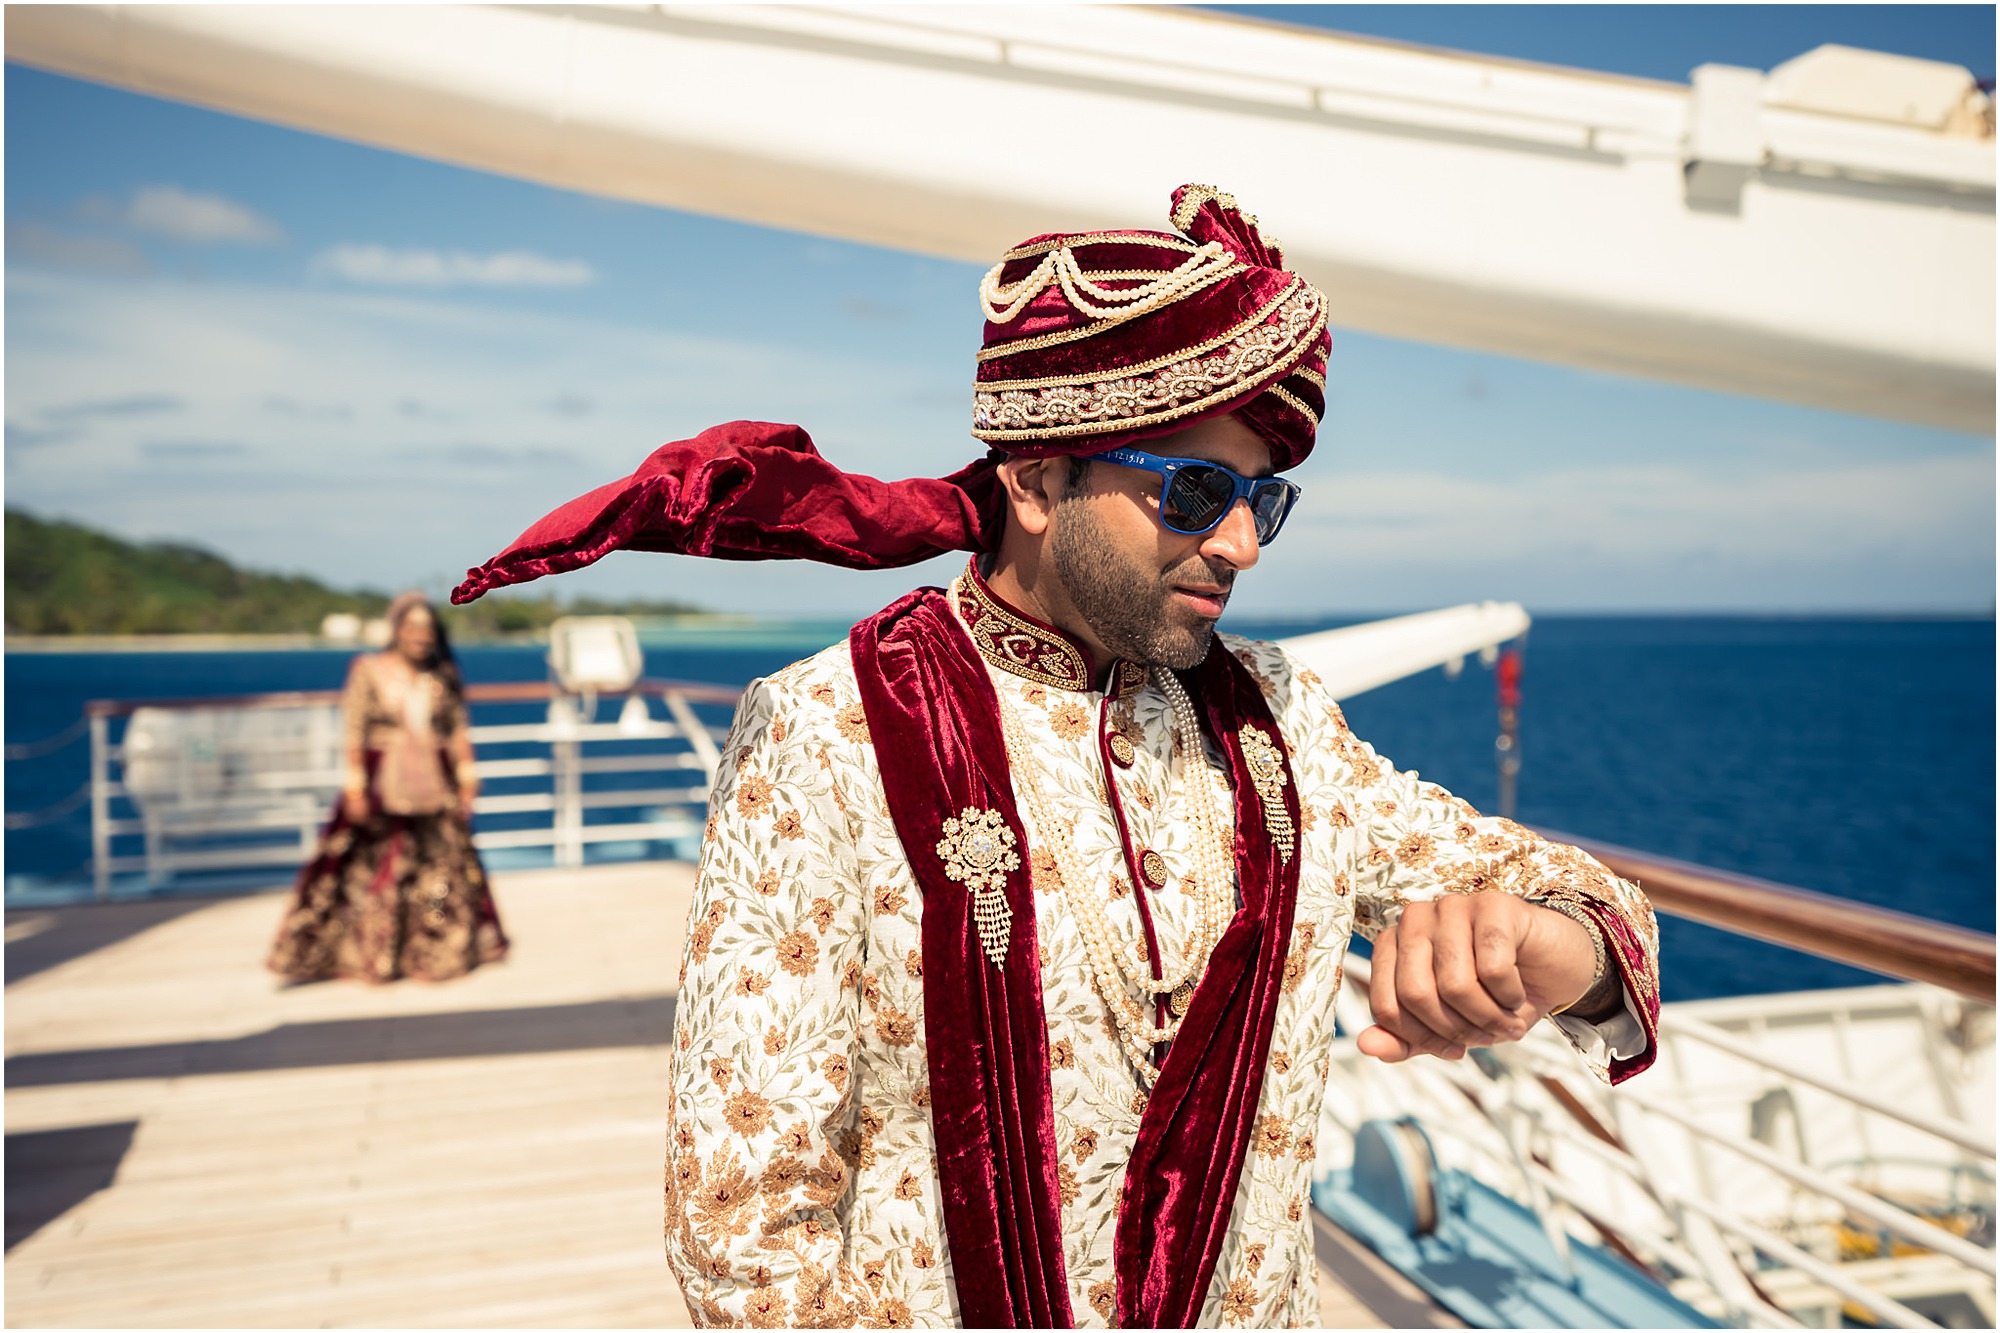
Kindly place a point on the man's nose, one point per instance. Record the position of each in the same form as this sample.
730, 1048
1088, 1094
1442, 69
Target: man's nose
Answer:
1234, 539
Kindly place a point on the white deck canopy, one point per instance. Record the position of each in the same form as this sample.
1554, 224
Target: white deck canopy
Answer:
1822, 234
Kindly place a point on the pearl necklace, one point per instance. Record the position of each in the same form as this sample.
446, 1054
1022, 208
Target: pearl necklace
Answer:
1113, 963
1215, 865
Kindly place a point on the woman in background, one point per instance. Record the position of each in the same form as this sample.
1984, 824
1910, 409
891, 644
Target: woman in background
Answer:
396, 889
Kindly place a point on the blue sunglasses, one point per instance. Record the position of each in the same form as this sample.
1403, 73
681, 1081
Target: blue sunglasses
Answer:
1196, 495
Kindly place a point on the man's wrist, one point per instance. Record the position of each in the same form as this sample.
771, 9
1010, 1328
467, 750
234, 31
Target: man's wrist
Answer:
1600, 998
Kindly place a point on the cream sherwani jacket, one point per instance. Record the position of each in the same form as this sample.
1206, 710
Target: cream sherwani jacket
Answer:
801, 1181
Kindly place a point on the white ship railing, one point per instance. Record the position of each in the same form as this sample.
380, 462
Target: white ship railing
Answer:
222, 784
1791, 1160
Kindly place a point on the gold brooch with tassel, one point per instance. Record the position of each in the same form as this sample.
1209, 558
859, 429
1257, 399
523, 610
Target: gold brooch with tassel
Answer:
1267, 774
978, 851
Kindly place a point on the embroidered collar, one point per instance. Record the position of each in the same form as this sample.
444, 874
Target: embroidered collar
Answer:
1018, 643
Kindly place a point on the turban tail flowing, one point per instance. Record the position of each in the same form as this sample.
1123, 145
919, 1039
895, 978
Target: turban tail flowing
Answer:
1094, 341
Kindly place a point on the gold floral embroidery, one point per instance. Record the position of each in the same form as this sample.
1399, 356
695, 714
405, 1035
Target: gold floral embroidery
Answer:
753, 795
798, 953
1239, 1302
1068, 721
895, 1027
1272, 1137
765, 1308
1042, 869
1253, 1257
747, 1113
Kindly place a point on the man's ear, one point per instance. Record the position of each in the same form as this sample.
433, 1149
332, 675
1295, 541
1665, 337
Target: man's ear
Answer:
1034, 487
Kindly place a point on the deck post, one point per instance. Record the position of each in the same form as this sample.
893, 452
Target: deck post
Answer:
569, 803
100, 804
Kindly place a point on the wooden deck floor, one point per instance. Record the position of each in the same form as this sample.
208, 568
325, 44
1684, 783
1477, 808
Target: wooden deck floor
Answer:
188, 1143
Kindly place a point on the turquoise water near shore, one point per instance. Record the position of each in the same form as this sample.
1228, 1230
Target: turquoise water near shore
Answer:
1853, 757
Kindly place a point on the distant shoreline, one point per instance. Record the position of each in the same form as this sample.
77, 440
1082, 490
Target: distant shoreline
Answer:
168, 643
717, 629
712, 629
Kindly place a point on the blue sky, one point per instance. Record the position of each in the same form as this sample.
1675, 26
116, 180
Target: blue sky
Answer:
315, 356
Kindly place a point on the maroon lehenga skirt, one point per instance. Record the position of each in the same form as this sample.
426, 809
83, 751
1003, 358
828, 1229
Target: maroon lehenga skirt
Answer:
392, 896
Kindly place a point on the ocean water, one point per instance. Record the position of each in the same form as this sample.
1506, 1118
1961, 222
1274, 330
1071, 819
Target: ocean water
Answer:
1850, 757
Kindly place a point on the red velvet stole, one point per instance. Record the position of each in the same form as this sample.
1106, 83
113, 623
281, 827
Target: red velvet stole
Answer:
1180, 1184
934, 720
935, 723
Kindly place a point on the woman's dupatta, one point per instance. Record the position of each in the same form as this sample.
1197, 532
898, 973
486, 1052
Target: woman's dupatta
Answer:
934, 720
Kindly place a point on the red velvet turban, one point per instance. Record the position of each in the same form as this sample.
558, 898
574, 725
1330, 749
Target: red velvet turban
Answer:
1094, 340
1101, 339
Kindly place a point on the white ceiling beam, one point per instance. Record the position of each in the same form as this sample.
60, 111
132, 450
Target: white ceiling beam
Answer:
1692, 234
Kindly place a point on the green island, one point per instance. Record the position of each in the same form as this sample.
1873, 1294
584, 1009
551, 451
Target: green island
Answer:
66, 579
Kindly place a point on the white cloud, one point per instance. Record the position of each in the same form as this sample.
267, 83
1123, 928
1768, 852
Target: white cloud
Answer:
358, 491
44, 244
1825, 534
198, 219
337, 479
380, 266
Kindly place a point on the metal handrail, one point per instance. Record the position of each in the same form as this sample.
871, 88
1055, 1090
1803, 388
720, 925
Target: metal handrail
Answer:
687, 777
1511, 1088
49, 814
1888, 1310
1916, 1230
498, 692
1969, 1137
69, 735
1877, 939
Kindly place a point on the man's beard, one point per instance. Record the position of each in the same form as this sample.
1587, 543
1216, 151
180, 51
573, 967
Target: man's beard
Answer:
1129, 606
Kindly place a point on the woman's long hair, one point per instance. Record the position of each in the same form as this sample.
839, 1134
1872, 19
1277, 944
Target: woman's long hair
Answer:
441, 659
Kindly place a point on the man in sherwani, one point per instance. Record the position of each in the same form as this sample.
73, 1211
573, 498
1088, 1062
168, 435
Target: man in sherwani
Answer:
1008, 991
